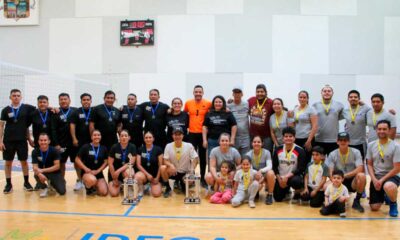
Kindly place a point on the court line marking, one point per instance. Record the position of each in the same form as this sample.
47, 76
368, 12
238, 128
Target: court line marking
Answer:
202, 218
131, 208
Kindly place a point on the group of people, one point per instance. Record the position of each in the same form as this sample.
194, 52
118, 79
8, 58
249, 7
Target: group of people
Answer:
247, 146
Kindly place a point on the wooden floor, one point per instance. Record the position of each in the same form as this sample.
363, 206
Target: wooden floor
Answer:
24, 215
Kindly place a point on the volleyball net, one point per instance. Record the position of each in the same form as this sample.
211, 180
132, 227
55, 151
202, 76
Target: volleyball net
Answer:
34, 82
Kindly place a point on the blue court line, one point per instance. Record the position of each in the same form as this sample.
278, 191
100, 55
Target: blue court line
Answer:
130, 209
203, 218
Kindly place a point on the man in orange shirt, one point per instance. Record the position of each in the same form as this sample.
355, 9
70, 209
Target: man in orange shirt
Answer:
197, 109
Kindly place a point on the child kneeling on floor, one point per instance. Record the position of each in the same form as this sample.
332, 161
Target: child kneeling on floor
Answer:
246, 185
315, 178
336, 196
223, 185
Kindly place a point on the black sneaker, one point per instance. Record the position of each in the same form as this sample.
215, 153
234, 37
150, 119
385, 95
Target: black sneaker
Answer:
269, 199
28, 187
167, 192
204, 184
357, 206
39, 186
182, 186
90, 191
7, 189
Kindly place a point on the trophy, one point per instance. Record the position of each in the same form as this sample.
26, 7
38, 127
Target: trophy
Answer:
131, 188
192, 195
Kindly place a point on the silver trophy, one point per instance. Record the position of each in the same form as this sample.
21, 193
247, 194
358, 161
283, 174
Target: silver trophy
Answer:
192, 195
131, 188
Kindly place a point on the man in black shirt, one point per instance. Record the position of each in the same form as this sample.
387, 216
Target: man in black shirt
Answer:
61, 134
41, 119
105, 118
154, 114
132, 120
16, 118
46, 166
80, 132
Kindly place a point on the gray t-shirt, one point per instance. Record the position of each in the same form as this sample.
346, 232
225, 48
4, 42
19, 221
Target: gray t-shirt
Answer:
265, 161
334, 193
283, 122
384, 115
315, 173
346, 164
391, 152
356, 130
328, 123
241, 114
239, 178
231, 156
303, 121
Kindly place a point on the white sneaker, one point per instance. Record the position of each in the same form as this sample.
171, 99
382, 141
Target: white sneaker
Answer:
342, 215
44, 193
252, 204
140, 194
78, 186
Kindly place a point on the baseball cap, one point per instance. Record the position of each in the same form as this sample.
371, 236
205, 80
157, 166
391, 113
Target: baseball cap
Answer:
343, 136
177, 129
237, 89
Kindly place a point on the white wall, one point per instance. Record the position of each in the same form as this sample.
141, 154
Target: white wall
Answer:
289, 45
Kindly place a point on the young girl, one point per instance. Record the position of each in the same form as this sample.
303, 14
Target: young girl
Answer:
246, 184
223, 189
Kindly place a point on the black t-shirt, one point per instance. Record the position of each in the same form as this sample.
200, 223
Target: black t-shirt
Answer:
150, 165
81, 119
87, 154
132, 120
121, 156
101, 117
45, 159
219, 122
41, 124
17, 122
180, 120
61, 134
158, 123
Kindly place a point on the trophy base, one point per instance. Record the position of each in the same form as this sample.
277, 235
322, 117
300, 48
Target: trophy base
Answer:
130, 201
192, 201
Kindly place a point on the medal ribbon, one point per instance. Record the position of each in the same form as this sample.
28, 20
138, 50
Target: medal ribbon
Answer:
353, 115
326, 107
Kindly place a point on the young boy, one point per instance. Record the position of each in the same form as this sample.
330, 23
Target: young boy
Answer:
315, 178
246, 185
336, 196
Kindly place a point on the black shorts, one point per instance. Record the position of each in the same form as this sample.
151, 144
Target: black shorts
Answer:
347, 182
379, 196
120, 177
98, 176
19, 147
178, 176
69, 152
